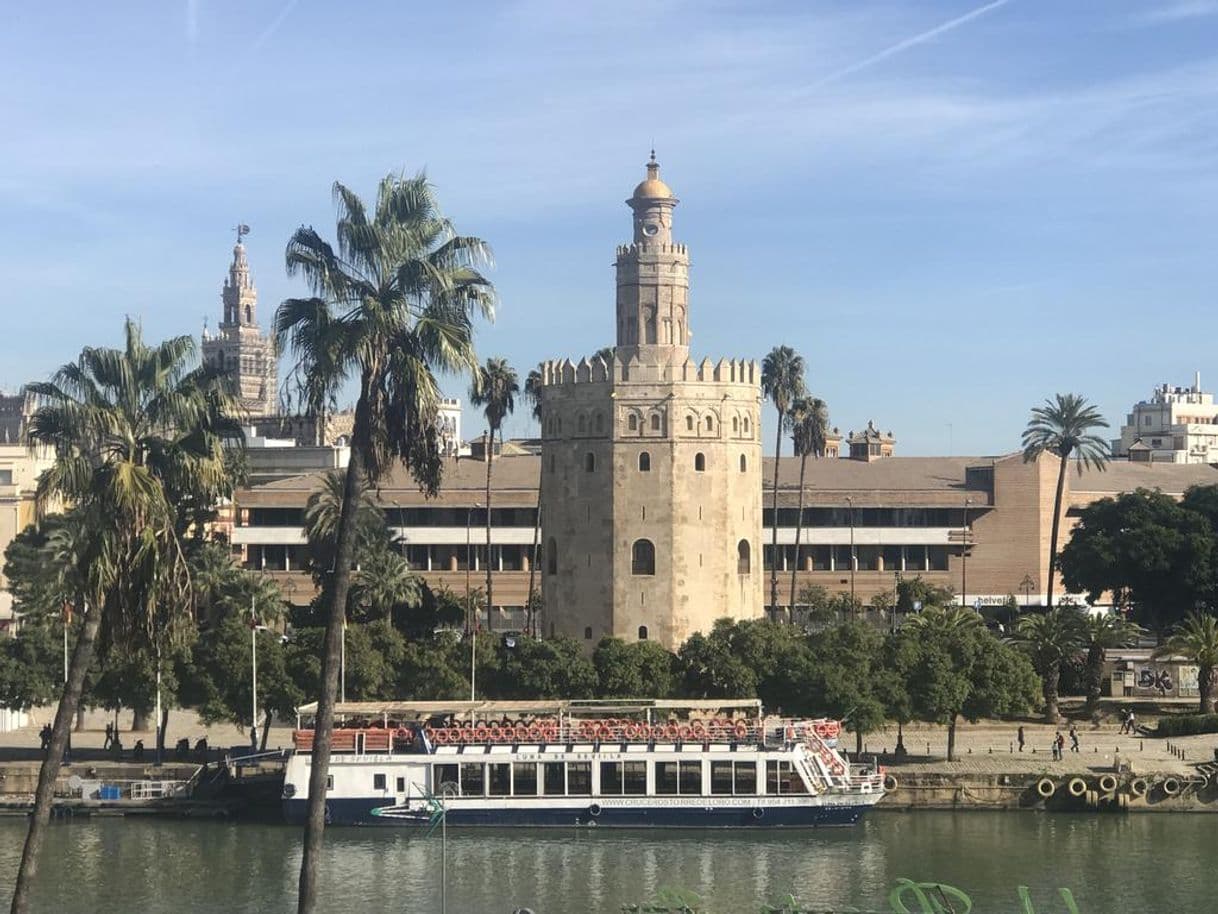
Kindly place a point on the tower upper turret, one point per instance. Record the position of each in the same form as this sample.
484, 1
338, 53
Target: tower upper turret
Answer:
240, 298
653, 279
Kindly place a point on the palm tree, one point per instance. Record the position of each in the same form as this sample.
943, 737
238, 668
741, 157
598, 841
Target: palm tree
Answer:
782, 381
136, 433
323, 512
1049, 638
809, 426
532, 392
1103, 633
384, 581
394, 303
1063, 426
495, 388
1196, 640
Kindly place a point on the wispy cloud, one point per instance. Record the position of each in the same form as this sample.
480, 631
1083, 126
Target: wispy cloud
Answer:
1179, 11
271, 29
906, 44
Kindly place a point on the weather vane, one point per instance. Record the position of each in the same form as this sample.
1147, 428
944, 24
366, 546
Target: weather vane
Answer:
242, 229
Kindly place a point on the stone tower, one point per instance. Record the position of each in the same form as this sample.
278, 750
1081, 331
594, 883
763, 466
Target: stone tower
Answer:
240, 347
651, 463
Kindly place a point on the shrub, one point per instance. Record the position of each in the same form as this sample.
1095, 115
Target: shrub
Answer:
1187, 725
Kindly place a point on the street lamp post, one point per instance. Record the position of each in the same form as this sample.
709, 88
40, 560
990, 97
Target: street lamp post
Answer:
853, 559
964, 556
253, 677
469, 604
1026, 586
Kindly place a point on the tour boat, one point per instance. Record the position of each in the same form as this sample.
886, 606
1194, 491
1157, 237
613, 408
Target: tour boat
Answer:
625, 764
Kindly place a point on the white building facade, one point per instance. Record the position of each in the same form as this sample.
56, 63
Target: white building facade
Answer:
1176, 425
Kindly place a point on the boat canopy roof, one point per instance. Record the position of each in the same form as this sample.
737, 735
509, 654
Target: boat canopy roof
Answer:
418, 709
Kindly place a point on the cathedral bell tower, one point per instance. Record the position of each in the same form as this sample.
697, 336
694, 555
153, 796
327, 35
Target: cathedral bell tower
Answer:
653, 279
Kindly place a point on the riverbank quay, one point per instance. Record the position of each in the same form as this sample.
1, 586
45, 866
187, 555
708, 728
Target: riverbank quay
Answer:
1111, 771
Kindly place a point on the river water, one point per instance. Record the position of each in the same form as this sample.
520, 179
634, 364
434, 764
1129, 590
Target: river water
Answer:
1111, 863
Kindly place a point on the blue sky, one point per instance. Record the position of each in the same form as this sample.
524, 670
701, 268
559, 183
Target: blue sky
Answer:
952, 209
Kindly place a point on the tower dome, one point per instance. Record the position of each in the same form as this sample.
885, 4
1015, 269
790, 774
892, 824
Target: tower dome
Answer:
651, 187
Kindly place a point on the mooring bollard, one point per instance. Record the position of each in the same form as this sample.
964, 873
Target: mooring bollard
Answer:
1141, 745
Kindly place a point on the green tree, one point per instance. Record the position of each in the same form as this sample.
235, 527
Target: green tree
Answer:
135, 432
1102, 634
956, 668
394, 303
495, 387
917, 590
782, 381
383, 585
809, 428
531, 668
1145, 548
1050, 639
846, 677
31, 664
709, 669
639, 669
532, 393
1064, 427
1196, 640
323, 515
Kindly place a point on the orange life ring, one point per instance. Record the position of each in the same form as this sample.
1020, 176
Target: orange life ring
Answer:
439, 736
467, 734
603, 732
820, 729
496, 734
480, 734
631, 731
521, 732
534, 732
671, 731
685, 732
403, 733
741, 730
549, 733
698, 730
834, 729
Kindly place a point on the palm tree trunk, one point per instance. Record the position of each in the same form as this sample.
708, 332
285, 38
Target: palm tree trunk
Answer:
951, 739
339, 584
1053, 673
82, 657
266, 729
774, 519
1094, 672
529, 606
799, 523
490, 447
1057, 517
1205, 685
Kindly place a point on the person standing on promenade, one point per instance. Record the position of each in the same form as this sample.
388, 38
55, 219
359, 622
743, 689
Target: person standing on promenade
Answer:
1073, 738
109, 737
1019, 737
1058, 743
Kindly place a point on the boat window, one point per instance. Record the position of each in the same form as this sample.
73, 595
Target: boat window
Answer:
579, 779
378, 782
499, 779
442, 775
746, 778
552, 779
524, 779
611, 779
691, 779
721, 778
782, 778
471, 780
666, 779
634, 778
401, 782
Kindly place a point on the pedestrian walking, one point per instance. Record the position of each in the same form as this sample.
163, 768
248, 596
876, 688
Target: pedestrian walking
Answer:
1073, 738
109, 737
1058, 743
1019, 737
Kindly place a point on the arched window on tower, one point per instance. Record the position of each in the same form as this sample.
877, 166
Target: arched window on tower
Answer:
655, 422
746, 425
551, 556
744, 557
598, 423
632, 422
735, 424
589, 462
644, 462
744, 464
587, 632
700, 462
582, 426
643, 558
642, 632
689, 423
710, 423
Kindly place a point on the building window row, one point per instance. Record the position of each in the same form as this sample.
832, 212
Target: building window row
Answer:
872, 517
815, 557
404, 517
421, 557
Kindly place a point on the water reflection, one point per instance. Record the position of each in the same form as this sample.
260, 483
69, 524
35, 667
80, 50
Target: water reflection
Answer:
1110, 862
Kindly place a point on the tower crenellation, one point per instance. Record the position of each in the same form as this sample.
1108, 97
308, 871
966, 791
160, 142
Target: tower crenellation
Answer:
651, 461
